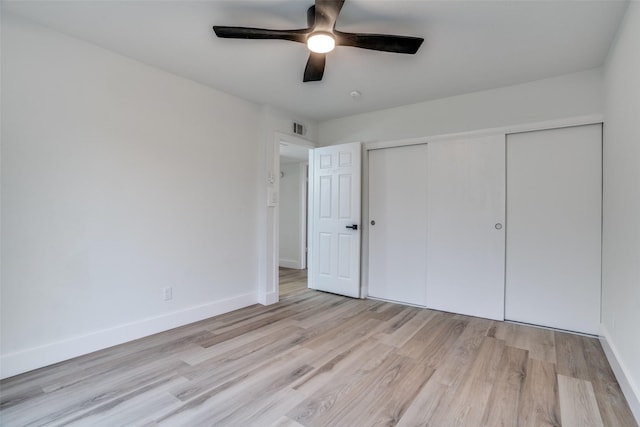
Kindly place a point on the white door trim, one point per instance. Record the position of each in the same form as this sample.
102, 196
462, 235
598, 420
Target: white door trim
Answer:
304, 196
516, 128
268, 288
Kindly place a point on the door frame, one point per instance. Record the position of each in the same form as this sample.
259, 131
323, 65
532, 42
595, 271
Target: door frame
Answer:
268, 292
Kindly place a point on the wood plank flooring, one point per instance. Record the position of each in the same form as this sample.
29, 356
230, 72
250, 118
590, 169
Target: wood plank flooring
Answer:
317, 359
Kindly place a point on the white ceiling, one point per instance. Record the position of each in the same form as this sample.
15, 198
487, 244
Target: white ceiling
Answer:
469, 45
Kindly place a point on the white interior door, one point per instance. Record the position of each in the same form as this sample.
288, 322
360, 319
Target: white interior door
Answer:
334, 232
398, 224
554, 193
465, 222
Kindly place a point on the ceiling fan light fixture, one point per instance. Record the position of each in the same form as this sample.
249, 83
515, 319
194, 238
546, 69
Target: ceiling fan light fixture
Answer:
321, 42
321, 37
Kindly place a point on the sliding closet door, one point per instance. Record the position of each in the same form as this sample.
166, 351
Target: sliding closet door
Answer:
554, 188
465, 222
398, 224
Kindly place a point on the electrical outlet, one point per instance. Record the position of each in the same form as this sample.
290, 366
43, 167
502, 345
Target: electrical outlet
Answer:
167, 293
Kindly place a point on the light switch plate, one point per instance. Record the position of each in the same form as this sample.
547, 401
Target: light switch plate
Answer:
272, 197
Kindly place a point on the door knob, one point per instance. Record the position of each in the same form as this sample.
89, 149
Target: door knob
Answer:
353, 227
373, 222
498, 226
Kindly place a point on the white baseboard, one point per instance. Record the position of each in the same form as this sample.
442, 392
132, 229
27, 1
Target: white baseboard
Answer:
290, 263
26, 360
629, 388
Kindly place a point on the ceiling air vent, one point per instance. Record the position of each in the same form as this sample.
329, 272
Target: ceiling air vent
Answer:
298, 128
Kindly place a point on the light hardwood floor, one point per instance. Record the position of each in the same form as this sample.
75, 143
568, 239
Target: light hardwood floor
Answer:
318, 359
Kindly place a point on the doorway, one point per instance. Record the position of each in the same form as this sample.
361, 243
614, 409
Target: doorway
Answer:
292, 216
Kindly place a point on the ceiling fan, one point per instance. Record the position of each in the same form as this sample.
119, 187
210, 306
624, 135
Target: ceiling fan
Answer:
321, 37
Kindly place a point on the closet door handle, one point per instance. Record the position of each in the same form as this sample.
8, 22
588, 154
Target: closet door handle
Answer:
353, 227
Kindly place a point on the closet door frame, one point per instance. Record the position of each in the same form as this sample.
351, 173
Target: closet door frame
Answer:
443, 136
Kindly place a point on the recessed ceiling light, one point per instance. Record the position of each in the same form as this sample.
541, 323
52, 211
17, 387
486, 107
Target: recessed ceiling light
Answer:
355, 94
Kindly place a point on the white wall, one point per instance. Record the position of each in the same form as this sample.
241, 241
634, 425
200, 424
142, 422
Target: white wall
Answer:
291, 215
118, 179
571, 95
621, 228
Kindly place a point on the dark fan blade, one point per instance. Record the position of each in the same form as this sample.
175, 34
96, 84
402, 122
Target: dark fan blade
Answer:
315, 67
311, 16
383, 42
327, 12
261, 33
